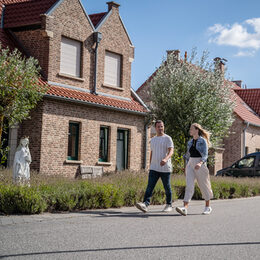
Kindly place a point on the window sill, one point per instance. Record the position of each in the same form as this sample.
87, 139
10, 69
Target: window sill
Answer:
73, 162
104, 163
71, 77
113, 87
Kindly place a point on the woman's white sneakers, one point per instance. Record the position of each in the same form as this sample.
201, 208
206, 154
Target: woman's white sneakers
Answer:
182, 210
207, 211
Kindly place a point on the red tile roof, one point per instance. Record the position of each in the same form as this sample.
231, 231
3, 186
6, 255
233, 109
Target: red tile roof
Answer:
26, 13
245, 113
96, 18
251, 97
57, 91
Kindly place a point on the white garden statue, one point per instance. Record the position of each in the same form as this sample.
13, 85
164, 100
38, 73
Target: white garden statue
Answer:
22, 160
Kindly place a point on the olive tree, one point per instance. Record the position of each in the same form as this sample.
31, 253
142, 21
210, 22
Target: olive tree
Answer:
188, 91
19, 87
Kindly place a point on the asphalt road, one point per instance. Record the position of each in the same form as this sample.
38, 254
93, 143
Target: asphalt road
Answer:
232, 231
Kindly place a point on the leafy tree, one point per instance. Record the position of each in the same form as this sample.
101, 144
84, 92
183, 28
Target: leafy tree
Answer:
184, 92
19, 87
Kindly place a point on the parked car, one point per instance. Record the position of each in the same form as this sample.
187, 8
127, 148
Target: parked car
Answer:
248, 166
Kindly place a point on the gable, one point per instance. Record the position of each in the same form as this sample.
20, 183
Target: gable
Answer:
113, 22
73, 7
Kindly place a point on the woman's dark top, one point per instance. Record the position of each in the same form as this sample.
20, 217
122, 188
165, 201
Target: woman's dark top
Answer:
193, 151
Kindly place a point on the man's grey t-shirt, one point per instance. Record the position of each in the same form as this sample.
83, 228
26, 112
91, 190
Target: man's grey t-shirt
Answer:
159, 149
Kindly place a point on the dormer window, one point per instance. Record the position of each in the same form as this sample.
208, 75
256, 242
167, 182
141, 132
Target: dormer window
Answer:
112, 75
70, 57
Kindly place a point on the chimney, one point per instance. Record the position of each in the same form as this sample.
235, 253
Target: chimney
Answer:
174, 53
112, 5
238, 83
220, 64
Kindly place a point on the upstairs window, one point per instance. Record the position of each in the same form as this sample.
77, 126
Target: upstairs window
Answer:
70, 57
112, 69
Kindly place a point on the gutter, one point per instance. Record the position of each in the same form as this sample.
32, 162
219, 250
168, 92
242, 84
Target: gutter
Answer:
94, 104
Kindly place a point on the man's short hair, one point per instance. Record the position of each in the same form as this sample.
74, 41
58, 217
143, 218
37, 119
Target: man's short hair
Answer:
158, 122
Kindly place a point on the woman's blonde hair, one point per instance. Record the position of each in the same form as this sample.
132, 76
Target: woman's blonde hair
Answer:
202, 132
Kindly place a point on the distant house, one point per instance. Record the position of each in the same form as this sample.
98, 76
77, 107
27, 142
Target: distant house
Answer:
90, 116
244, 135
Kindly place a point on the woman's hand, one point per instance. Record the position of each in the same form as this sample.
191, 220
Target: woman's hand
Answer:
198, 165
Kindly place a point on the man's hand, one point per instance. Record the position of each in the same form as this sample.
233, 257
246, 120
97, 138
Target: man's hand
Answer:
198, 165
163, 162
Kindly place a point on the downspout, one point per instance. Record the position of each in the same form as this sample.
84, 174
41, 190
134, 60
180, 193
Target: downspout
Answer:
244, 138
145, 143
97, 38
2, 18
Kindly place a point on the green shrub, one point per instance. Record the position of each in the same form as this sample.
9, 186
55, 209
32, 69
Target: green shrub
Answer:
52, 193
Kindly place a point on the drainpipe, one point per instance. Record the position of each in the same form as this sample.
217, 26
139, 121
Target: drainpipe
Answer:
244, 138
2, 18
145, 144
97, 38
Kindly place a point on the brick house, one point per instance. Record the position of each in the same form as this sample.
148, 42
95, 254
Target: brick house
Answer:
244, 135
90, 115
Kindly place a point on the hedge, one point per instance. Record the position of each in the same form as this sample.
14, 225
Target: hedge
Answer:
50, 194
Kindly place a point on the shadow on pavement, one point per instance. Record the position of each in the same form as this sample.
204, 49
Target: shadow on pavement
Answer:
129, 248
99, 214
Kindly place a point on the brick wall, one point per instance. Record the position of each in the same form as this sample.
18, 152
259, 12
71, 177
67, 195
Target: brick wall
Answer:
32, 127
233, 143
37, 45
115, 39
252, 138
55, 126
69, 20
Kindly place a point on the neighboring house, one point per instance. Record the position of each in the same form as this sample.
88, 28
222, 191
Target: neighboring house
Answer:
244, 135
90, 116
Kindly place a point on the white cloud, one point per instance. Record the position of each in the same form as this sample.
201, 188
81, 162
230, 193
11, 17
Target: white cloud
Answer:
237, 35
245, 54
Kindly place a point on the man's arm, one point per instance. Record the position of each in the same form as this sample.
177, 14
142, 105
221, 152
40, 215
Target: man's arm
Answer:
168, 156
151, 154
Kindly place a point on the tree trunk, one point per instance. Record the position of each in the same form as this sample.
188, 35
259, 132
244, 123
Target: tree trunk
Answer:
1, 127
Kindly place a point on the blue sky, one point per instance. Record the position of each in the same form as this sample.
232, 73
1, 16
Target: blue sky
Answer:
228, 29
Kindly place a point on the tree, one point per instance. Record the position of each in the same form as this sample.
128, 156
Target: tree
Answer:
185, 92
19, 87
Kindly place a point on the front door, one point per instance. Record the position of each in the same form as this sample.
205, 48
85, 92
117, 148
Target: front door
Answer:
122, 150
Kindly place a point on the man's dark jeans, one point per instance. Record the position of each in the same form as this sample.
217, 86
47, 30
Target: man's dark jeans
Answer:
152, 180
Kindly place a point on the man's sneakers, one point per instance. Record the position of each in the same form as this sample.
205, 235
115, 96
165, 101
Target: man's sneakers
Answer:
142, 206
168, 208
182, 210
207, 211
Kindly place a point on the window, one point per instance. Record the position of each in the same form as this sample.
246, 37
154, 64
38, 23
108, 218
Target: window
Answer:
112, 69
246, 162
73, 142
70, 57
246, 150
103, 144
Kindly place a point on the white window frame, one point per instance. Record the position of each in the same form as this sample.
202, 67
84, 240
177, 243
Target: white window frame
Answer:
113, 69
70, 57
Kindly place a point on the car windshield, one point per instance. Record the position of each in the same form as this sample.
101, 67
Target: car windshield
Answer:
246, 162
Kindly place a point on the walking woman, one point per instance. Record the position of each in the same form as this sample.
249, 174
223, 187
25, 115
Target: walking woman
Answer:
196, 169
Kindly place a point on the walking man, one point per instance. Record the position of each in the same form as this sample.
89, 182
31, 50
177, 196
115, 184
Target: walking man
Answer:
160, 167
